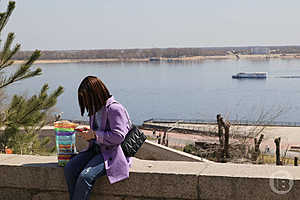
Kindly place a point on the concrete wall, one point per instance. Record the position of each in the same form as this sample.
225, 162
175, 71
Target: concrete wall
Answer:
153, 151
39, 178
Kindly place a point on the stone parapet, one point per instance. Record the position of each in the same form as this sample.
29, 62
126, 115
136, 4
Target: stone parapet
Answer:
39, 177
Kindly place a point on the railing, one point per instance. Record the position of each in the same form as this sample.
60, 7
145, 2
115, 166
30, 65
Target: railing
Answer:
235, 122
180, 125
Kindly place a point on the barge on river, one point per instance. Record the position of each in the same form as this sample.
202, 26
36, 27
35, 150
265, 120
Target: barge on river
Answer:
259, 75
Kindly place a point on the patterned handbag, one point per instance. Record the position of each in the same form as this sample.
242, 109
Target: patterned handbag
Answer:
133, 141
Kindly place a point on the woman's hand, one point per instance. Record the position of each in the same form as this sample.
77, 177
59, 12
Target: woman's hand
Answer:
87, 135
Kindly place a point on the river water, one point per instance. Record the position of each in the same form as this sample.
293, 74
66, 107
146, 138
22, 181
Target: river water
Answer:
185, 90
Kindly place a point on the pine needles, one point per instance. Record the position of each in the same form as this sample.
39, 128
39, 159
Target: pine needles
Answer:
23, 118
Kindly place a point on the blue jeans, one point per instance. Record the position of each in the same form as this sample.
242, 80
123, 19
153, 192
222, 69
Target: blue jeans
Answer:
81, 173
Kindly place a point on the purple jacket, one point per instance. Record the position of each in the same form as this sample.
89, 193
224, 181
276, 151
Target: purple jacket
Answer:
114, 125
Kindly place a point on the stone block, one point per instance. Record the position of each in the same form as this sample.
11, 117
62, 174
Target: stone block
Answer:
12, 193
265, 188
107, 197
41, 178
51, 196
236, 188
217, 188
154, 185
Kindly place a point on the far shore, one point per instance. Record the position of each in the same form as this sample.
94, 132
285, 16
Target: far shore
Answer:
194, 58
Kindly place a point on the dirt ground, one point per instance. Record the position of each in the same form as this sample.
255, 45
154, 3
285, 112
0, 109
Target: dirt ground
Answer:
290, 136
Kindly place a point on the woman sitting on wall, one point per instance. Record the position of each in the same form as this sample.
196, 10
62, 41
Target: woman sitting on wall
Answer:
109, 122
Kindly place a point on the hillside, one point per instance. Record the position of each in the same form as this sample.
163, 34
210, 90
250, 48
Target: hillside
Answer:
123, 54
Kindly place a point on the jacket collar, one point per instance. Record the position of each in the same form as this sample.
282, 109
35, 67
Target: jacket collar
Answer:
110, 101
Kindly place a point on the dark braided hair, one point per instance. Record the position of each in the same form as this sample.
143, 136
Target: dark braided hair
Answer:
92, 95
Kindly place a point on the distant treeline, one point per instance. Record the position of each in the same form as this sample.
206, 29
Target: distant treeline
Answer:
154, 52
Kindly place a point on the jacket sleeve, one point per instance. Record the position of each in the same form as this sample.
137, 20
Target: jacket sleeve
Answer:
118, 123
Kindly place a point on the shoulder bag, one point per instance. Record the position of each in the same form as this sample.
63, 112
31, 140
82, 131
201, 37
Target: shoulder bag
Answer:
133, 141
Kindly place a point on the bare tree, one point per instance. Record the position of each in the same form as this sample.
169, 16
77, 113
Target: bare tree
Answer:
224, 141
220, 130
277, 143
256, 152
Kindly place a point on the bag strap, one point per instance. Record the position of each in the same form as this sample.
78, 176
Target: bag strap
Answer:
126, 113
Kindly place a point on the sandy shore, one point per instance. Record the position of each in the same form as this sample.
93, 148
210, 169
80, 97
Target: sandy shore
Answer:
194, 58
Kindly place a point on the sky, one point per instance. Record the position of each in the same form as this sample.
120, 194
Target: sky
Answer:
122, 24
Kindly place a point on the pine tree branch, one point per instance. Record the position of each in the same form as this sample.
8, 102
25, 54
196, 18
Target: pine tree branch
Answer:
42, 105
7, 62
5, 16
14, 79
7, 45
53, 98
35, 55
24, 71
31, 113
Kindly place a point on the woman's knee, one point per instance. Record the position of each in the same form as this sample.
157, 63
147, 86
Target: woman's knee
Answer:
86, 176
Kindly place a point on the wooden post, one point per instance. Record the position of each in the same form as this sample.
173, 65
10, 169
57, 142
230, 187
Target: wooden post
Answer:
164, 138
257, 144
226, 141
226, 126
296, 161
256, 147
277, 143
167, 142
159, 138
154, 132
220, 130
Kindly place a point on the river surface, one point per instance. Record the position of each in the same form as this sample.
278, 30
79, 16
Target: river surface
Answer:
186, 90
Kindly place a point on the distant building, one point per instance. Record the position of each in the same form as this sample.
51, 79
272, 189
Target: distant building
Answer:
260, 50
